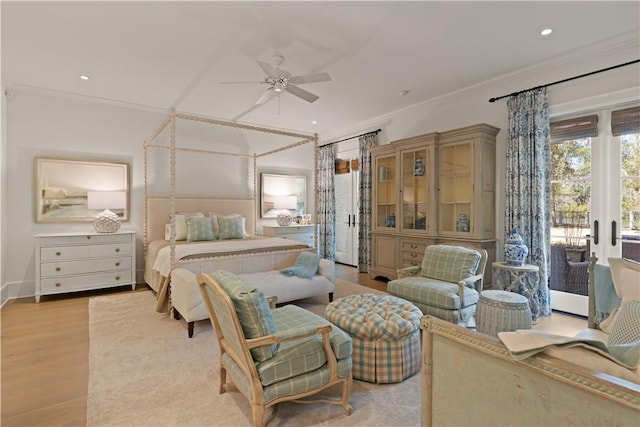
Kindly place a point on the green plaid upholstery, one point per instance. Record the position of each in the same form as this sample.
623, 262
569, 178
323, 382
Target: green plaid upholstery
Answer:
436, 293
449, 263
454, 316
253, 312
304, 355
297, 384
385, 332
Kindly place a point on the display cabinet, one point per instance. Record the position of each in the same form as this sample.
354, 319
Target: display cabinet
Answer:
430, 189
466, 202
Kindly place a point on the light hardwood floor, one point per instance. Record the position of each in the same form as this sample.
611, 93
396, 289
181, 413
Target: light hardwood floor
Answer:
45, 352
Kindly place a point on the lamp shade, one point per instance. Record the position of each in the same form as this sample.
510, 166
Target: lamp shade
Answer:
106, 199
285, 202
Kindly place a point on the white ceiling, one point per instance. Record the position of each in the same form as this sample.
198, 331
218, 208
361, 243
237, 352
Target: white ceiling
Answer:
175, 54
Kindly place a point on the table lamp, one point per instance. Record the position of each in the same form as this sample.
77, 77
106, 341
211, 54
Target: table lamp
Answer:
106, 221
283, 204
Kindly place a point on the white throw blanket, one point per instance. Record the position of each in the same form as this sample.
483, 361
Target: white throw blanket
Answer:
162, 263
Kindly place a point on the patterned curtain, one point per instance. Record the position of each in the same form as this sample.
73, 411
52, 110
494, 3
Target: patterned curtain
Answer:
364, 210
326, 214
528, 183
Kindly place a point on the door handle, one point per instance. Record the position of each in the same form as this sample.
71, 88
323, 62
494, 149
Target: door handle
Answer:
354, 220
348, 220
614, 232
596, 231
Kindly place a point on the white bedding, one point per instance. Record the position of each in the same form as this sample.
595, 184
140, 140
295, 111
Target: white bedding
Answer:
162, 263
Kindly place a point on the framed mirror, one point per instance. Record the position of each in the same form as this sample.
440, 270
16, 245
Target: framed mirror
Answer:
282, 192
77, 191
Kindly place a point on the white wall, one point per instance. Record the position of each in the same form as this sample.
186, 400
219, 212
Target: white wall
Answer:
470, 105
45, 125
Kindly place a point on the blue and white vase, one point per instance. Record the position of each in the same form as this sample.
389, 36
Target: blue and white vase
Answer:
515, 251
418, 168
462, 224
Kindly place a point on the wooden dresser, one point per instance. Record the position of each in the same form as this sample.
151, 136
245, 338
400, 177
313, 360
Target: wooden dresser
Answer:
301, 233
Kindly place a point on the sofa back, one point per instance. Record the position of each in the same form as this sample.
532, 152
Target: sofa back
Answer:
450, 263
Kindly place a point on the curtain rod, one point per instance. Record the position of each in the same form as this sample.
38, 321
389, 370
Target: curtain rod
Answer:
351, 137
565, 80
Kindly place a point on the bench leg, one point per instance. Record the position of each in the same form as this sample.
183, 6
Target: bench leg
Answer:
176, 315
330, 296
190, 328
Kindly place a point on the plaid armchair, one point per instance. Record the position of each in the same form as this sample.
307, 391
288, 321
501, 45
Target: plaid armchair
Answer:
446, 285
274, 355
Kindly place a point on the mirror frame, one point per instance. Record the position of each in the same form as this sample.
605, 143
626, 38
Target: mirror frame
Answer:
274, 185
68, 181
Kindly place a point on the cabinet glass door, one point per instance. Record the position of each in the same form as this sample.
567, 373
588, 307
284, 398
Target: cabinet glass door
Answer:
456, 188
386, 196
414, 190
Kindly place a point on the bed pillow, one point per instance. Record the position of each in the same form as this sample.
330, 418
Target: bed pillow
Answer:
199, 228
216, 225
181, 225
231, 227
625, 275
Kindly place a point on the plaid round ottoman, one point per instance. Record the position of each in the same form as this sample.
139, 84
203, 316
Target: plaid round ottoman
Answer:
502, 311
385, 331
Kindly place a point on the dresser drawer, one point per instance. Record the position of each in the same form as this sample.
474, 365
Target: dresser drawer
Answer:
85, 239
64, 268
81, 282
58, 253
305, 238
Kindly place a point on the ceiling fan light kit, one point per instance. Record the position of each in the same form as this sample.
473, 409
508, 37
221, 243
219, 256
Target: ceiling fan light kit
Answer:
280, 81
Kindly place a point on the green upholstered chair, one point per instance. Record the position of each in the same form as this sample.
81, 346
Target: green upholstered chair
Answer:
274, 355
446, 285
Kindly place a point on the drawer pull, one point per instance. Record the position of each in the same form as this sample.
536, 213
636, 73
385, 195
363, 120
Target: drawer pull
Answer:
58, 284
414, 246
58, 253
117, 249
88, 237
414, 255
58, 269
117, 264
117, 277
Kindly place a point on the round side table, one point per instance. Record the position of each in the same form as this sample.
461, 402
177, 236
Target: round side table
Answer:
516, 274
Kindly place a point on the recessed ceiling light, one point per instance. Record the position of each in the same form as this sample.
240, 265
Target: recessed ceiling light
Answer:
404, 92
84, 77
314, 122
546, 31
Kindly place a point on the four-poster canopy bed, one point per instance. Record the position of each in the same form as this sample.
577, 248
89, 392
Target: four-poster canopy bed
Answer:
231, 206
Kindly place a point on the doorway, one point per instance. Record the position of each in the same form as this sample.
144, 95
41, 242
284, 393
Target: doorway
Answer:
346, 190
595, 200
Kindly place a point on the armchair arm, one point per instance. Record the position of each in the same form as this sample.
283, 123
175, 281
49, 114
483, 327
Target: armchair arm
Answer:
289, 335
471, 282
409, 271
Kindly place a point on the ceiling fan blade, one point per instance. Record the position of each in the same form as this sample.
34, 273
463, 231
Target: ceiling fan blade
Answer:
238, 83
311, 78
271, 72
266, 96
301, 93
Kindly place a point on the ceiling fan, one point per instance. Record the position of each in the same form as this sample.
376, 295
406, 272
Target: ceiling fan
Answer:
280, 81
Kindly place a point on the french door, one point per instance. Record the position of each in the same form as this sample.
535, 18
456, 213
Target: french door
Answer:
595, 201
346, 189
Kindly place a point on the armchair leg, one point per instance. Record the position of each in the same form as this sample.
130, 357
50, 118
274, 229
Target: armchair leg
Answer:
346, 388
257, 413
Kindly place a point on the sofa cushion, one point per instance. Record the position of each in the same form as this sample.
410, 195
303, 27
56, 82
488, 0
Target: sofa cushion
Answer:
432, 292
626, 328
303, 355
449, 263
253, 312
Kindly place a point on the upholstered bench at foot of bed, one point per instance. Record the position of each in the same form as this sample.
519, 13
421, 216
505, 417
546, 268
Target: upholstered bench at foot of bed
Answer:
385, 331
187, 303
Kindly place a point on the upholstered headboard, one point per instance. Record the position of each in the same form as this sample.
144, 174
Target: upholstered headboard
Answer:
159, 208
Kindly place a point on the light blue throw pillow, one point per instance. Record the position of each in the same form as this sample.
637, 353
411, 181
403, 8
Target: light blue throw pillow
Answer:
231, 227
626, 328
199, 228
306, 266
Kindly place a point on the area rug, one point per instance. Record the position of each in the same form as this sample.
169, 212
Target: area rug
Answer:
145, 371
